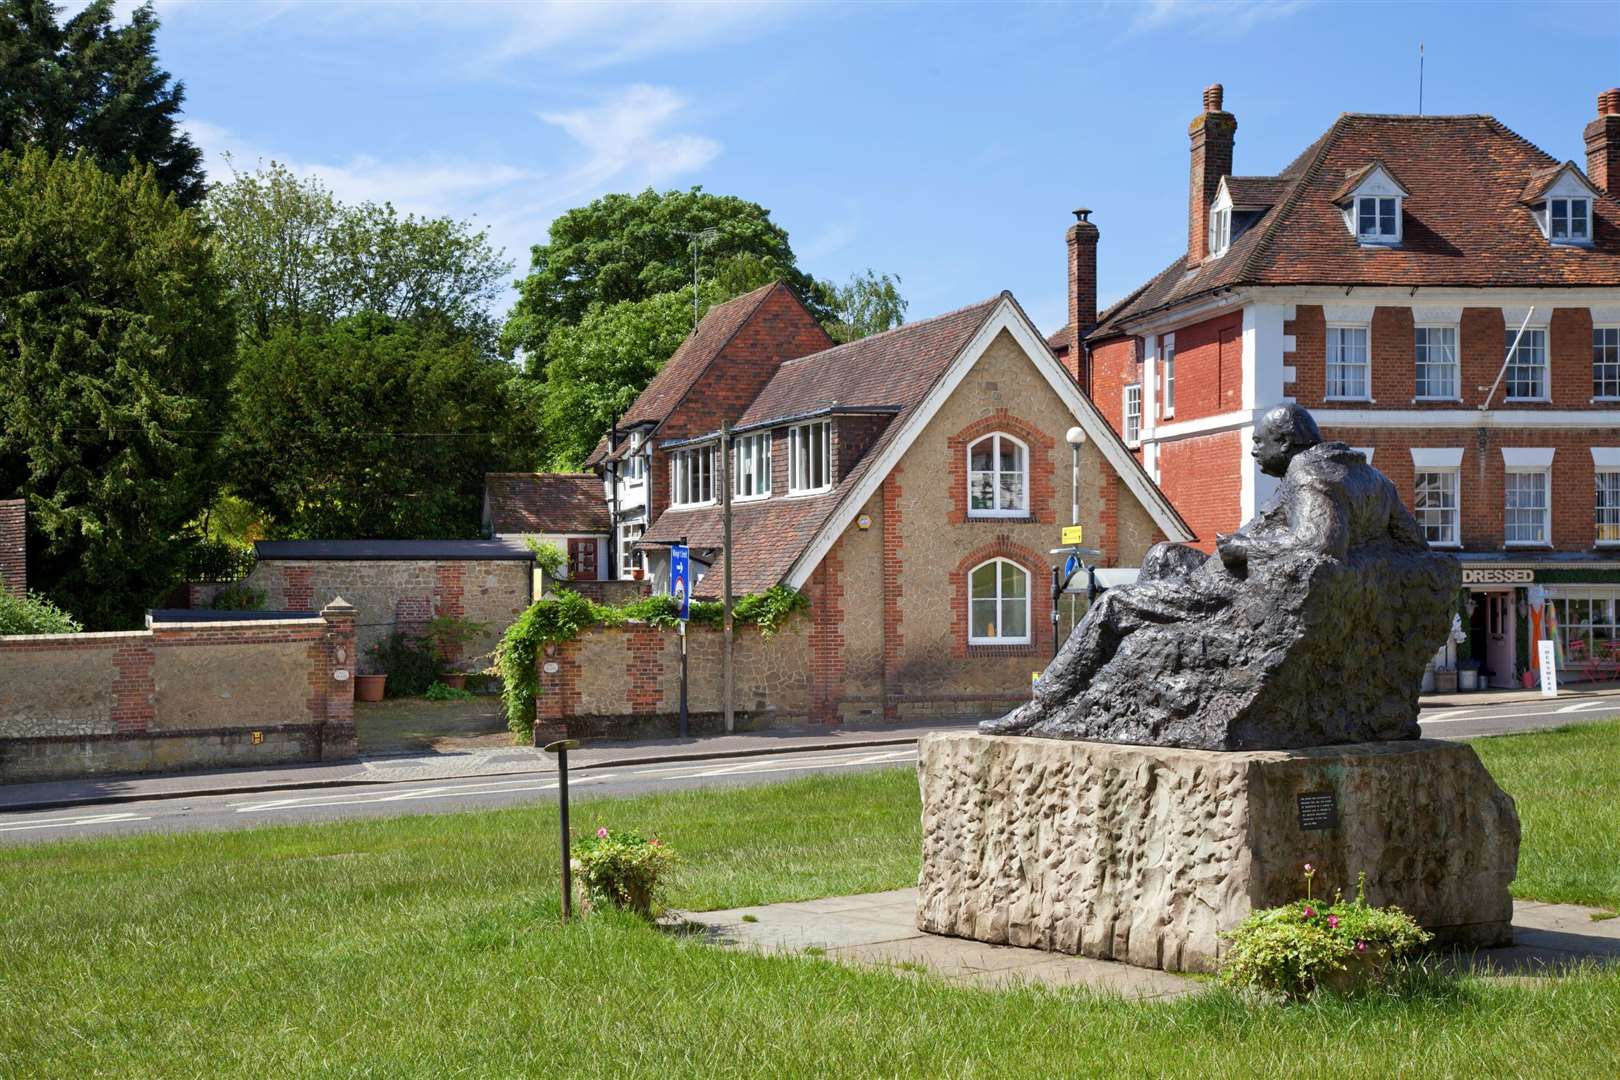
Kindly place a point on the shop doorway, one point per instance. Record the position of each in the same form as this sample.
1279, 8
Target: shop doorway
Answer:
1501, 633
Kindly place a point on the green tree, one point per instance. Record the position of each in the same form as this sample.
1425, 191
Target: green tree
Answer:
869, 304
116, 346
295, 254
87, 85
368, 427
632, 247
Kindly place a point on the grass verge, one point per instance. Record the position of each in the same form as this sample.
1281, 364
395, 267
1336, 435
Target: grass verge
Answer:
429, 946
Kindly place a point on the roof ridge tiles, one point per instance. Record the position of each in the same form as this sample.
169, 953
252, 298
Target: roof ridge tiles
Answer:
903, 327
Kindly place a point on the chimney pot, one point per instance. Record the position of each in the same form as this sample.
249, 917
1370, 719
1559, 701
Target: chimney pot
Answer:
1212, 97
1082, 214
1602, 137
1609, 102
1212, 134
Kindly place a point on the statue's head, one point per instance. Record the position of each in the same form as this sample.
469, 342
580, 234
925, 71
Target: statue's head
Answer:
1281, 433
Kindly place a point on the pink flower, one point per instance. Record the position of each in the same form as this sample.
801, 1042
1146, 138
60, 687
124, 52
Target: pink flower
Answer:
1361, 946
601, 834
656, 842
1310, 912
1333, 921
1309, 869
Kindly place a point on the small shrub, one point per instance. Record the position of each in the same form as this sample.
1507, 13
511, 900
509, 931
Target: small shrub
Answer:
440, 692
238, 597
548, 557
33, 614
1298, 948
408, 662
622, 869
448, 633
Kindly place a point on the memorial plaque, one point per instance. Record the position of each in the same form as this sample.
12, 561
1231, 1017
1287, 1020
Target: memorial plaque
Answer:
1318, 810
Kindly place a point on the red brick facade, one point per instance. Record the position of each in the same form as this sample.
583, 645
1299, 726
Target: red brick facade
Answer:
13, 546
825, 591
1201, 476
133, 689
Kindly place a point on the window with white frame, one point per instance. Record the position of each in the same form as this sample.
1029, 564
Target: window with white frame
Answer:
998, 477
1436, 352
1525, 506
751, 466
691, 476
1169, 374
809, 458
630, 561
1526, 376
998, 604
1220, 231
1606, 361
1608, 506
1347, 362
1435, 504
1131, 412
1569, 220
635, 463
1378, 219
1587, 623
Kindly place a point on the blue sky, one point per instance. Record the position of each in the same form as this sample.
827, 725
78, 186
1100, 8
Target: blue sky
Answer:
945, 143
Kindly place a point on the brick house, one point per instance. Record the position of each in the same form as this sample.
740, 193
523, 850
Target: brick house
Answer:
911, 484
565, 509
1444, 296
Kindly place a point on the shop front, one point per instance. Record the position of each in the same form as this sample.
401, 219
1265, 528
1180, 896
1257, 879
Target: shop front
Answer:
1571, 600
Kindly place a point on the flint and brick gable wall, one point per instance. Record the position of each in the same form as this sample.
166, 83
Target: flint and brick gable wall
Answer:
13, 546
177, 696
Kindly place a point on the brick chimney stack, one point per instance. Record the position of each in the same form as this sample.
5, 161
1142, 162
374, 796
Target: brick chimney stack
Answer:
1082, 238
1603, 144
13, 549
1212, 134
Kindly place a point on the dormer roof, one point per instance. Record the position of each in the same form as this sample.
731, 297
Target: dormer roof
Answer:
1543, 181
1372, 178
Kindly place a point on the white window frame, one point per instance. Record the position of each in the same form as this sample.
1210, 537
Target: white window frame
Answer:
1452, 534
1569, 203
635, 463
1377, 236
630, 561
1335, 336
998, 599
1168, 366
1220, 231
1606, 514
683, 481
1130, 413
1534, 337
1608, 347
754, 448
815, 440
996, 510
1546, 506
1421, 346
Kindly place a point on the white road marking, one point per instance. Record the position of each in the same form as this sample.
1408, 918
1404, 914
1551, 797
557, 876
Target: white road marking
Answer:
769, 765
1582, 706
1489, 717
64, 823
494, 787
1444, 715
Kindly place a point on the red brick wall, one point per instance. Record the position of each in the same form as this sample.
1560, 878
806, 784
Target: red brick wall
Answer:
851, 437
1201, 475
894, 634
13, 546
1480, 480
1114, 365
1040, 464
825, 590
1209, 367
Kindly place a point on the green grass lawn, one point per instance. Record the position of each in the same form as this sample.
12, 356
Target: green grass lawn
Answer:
430, 946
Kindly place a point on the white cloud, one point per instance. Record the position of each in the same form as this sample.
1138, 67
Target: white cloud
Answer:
624, 137
1231, 16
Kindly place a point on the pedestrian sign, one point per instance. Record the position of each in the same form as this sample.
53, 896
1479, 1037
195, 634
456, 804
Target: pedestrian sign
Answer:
1073, 534
1071, 565
680, 580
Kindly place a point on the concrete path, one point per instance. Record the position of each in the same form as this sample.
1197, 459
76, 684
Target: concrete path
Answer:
879, 930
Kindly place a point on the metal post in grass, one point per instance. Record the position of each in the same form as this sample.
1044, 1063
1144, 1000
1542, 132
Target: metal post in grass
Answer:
561, 748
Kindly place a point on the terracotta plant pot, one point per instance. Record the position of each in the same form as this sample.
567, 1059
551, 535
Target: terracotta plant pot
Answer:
369, 687
454, 682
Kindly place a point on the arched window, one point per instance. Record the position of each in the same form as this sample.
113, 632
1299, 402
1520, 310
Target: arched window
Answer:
998, 477
998, 604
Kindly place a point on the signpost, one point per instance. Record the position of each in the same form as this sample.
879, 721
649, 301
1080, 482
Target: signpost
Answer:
561, 748
1073, 534
1072, 565
680, 587
1547, 654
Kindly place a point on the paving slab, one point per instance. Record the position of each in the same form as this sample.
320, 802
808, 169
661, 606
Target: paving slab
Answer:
878, 930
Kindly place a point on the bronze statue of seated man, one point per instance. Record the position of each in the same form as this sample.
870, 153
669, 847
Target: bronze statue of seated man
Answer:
1310, 625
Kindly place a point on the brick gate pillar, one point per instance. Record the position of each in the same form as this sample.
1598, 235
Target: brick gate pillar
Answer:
332, 703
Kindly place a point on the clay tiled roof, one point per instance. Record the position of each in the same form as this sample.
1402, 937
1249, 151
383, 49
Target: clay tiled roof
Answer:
1464, 224
546, 502
1256, 191
682, 369
893, 369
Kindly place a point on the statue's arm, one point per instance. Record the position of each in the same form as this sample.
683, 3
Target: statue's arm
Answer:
1318, 522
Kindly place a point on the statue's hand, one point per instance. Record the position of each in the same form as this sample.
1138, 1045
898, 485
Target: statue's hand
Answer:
1233, 549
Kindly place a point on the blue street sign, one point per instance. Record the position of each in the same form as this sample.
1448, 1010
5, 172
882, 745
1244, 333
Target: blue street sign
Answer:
680, 579
1071, 565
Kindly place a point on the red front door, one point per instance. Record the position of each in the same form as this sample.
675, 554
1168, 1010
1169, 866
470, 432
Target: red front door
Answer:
582, 559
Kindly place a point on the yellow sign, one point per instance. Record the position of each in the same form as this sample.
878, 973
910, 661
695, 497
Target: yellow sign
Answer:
1072, 534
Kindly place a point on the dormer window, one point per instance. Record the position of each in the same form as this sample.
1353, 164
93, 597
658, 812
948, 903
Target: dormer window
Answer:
1569, 220
1220, 232
1378, 219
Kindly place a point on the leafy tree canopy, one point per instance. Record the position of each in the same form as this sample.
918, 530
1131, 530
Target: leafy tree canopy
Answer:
116, 345
369, 427
89, 85
295, 254
869, 304
632, 247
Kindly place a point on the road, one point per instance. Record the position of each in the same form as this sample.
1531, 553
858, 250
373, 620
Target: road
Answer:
446, 796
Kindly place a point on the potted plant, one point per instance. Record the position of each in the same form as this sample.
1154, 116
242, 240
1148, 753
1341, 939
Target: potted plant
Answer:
446, 634
1468, 674
621, 869
370, 687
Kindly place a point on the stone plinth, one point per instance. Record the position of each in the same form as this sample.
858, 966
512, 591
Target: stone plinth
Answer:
1147, 854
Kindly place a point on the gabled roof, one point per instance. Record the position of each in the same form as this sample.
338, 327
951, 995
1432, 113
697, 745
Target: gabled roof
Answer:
545, 503
1254, 192
1464, 223
916, 368
1353, 179
719, 324
1543, 180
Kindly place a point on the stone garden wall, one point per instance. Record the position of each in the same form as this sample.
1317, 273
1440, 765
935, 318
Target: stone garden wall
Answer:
623, 681
178, 696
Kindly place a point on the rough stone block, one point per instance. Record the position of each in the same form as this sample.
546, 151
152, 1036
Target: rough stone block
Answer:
1148, 854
